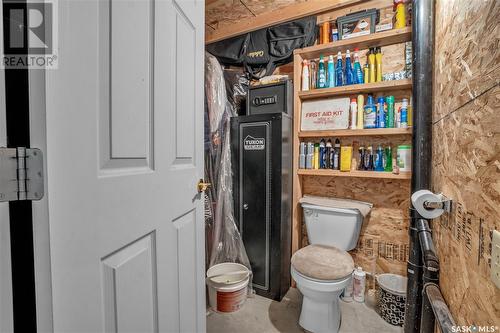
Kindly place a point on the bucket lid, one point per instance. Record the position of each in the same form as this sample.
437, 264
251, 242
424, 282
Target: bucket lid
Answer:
393, 283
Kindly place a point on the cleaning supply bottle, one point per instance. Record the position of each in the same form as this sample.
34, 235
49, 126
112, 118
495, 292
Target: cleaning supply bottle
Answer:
322, 156
388, 159
354, 113
379, 159
366, 73
328, 153
371, 63
336, 155
410, 113
305, 76
404, 114
370, 114
358, 72
359, 284
313, 72
310, 155
316, 156
378, 63
360, 104
349, 73
321, 73
381, 112
361, 164
331, 72
389, 114
400, 16
339, 73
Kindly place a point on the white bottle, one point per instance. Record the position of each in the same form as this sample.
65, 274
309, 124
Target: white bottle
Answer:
305, 76
354, 113
359, 283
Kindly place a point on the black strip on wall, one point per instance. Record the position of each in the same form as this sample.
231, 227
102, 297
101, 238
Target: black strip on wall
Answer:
21, 219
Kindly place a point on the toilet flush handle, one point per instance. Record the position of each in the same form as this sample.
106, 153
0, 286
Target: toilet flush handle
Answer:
245, 206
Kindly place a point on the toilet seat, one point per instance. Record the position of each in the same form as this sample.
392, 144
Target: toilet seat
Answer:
322, 263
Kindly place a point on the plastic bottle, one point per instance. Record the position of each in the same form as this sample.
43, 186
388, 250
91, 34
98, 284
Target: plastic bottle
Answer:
368, 160
359, 284
361, 164
404, 114
354, 113
388, 159
313, 72
321, 73
349, 73
378, 63
305, 76
379, 159
339, 73
400, 16
331, 72
358, 72
410, 113
328, 153
371, 63
370, 114
389, 114
361, 102
366, 73
316, 156
336, 155
302, 155
347, 294
322, 157
310, 155
326, 32
381, 112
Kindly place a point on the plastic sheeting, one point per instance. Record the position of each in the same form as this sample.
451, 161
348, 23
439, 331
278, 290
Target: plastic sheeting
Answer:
223, 240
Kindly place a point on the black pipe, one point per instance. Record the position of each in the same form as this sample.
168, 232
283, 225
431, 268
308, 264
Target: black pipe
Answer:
423, 56
431, 273
433, 296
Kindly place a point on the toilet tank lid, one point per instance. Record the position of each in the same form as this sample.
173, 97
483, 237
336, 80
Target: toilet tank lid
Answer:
363, 207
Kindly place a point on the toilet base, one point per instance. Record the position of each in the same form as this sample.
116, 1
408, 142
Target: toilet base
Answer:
320, 317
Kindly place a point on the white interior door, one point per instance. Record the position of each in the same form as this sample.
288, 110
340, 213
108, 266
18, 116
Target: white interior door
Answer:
124, 131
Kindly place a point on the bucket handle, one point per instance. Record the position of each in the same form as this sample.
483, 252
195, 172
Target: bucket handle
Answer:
230, 273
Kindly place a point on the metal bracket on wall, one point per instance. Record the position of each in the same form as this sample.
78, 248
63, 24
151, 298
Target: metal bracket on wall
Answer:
21, 174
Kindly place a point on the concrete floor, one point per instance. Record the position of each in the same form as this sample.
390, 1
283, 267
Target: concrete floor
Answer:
262, 315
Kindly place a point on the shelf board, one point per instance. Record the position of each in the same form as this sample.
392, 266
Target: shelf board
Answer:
384, 38
356, 89
354, 173
356, 132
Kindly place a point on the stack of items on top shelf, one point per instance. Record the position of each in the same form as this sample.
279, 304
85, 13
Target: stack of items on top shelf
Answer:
324, 155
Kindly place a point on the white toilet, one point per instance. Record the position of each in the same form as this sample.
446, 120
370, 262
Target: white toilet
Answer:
324, 268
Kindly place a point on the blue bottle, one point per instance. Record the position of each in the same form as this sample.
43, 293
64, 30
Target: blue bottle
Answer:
370, 113
331, 72
349, 73
379, 159
321, 73
322, 154
381, 112
339, 73
358, 71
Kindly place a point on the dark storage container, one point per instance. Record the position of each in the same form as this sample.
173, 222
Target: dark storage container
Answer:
262, 179
270, 98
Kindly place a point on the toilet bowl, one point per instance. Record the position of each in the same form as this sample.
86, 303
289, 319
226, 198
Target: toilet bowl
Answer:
324, 268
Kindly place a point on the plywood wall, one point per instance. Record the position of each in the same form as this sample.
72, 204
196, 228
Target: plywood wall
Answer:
466, 154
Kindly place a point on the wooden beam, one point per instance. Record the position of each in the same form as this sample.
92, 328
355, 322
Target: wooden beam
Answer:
278, 16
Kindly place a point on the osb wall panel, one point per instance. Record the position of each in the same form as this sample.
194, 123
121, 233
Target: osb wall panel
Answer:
384, 236
466, 154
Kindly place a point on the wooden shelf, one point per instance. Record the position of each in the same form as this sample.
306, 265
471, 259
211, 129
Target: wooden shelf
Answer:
384, 38
356, 132
356, 89
354, 173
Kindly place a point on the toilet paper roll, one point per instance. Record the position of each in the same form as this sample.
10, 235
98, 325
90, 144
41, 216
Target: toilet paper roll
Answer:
420, 197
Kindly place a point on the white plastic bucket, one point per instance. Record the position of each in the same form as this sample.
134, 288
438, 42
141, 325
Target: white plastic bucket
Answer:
227, 286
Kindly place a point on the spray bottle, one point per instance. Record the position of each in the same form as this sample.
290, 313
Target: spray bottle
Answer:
339, 74
358, 72
331, 72
321, 73
349, 73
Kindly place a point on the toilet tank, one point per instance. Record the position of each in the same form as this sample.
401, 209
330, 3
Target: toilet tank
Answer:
339, 227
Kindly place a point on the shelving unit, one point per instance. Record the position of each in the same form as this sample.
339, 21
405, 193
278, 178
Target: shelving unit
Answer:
354, 173
306, 177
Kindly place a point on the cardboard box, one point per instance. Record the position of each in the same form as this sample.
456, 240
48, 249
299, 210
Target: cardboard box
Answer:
325, 114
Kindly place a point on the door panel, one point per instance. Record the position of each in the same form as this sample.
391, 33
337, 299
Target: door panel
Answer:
126, 234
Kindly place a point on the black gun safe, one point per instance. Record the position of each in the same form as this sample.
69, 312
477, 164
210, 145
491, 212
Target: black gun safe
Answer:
262, 187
